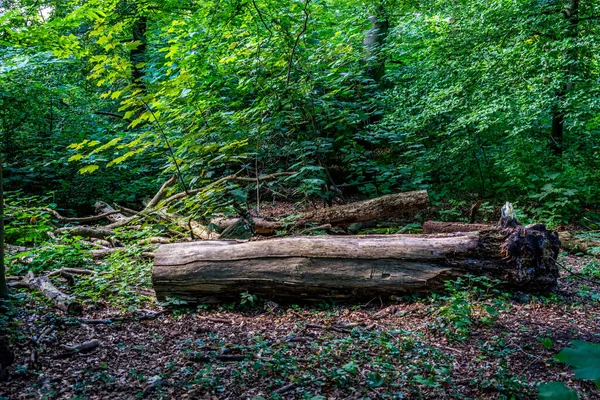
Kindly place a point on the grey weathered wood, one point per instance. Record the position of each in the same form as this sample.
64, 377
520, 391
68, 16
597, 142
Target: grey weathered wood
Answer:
379, 208
312, 268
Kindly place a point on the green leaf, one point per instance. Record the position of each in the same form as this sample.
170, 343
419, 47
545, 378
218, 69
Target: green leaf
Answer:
374, 379
75, 157
556, 391
546, 343
584, 358
88, 169
350, 367
491, 310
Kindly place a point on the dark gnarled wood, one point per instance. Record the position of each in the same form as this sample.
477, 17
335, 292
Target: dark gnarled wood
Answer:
351, 268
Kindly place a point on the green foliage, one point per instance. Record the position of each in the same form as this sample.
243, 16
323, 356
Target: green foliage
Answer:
585, 359
26, 222
556, 391
248, 299
466, 302
272, 86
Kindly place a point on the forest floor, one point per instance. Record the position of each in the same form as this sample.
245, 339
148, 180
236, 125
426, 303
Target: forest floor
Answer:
470, 341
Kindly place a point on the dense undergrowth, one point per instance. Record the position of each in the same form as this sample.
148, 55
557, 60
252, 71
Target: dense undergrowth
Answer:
472, 100
465, 327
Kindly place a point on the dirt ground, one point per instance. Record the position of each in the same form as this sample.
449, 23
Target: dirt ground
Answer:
406, 349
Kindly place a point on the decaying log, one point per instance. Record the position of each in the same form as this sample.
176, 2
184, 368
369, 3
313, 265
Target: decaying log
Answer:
60, 300
362, 211
349, 268
452, 227
87, 231
568, 241
379, 208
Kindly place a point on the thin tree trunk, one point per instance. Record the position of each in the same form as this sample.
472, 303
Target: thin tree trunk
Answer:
374, 42
3, 287
556, 144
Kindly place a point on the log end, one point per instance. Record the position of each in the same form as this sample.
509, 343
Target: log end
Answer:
532, 252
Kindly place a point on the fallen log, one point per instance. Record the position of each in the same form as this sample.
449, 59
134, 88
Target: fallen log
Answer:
568, 241
60, 300
379, 208
361, 211
351, 268
452, 227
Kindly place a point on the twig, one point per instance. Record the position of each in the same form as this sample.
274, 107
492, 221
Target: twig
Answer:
285, 389
575, 274
106, 321
233, 177
84, 347
161, 192
92, 218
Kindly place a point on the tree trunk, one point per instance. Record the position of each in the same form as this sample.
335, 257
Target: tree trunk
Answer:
379, 208
571, 14
3, 287
352, 268
374, 42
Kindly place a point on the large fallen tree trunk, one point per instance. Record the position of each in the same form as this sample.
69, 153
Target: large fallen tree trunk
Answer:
345, 268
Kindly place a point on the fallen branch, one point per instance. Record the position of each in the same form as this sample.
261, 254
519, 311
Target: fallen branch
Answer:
12, 249
86, 231
233, 177
60, 300
84, 347
101, 253
285, 389
327, 328
161, 192
76, 271
102, 207
92, 218
568, 241
453, 227
106, 321
69, 273
381, 207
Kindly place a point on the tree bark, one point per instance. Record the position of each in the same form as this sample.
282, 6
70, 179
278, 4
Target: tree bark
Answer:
3, 287
571, 14
568, 241
379, 208
351, 268
452, 227
374, 42
60, 300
